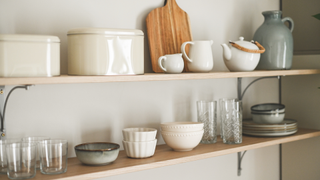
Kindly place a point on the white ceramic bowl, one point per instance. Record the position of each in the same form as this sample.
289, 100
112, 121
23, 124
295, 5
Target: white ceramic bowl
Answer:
182, 141
139, 134
181, 126
267, 118
140, 149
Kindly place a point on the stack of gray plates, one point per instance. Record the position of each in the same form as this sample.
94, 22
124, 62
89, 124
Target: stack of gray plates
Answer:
286, 127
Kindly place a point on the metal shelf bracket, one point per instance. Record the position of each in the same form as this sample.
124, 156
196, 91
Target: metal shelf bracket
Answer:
240, 157
3, 105
240, 97
2, 99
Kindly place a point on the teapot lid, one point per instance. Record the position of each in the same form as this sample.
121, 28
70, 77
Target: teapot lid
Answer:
246, 44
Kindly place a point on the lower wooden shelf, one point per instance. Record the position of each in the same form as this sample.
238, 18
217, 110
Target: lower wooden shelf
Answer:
165, 156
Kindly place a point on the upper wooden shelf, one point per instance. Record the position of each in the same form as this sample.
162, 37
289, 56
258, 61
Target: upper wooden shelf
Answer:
165, 156
65, 79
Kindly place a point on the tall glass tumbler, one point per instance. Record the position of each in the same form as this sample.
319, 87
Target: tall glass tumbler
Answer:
232, 122
53, 156
3, 154
21, 158
36, 139
221, 110
207, 114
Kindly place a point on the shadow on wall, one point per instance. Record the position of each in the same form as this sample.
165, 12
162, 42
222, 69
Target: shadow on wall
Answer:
102, 132
141, 22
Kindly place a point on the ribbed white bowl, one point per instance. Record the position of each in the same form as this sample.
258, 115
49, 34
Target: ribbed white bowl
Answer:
182, 141
139, 134
140, 149
181, 126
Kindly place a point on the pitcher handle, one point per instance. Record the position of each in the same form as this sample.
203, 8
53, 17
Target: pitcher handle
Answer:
291, 24
183, 50
160, 63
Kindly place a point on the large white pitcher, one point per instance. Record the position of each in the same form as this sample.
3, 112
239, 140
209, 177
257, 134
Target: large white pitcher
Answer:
200, 55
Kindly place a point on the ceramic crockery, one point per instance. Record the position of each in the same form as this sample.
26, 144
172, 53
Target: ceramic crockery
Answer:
171, 63
97, 153
140, 149
286, 127
267, 118
139, 134
182, 141
277, 38
184, 126
241, 55
200, 57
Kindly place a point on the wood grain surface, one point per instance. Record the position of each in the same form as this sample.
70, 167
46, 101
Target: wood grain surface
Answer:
167, 27
65, 79
165, 156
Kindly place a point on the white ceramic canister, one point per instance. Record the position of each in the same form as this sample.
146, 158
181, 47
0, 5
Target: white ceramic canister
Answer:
29, 55
98, 51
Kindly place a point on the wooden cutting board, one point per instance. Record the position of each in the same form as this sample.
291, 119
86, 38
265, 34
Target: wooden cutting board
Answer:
167, 27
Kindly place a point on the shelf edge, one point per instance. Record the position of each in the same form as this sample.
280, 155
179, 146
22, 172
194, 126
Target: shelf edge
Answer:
180, 160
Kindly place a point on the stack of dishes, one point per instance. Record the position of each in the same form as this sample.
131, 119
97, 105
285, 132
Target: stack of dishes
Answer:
139, 142
268, 113
269, 120
286, 127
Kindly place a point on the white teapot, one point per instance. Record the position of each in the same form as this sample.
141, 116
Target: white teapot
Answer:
242, 55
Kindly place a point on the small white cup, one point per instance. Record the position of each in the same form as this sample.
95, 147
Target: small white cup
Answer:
171, 63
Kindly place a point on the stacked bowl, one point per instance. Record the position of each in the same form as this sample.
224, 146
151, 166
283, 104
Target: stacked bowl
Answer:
269, 120
182, 136
139, 142
268, 113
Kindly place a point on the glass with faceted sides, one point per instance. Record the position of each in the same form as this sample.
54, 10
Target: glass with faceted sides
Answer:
232, 121
207, 114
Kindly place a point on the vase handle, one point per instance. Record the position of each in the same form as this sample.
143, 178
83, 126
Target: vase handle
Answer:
291, 24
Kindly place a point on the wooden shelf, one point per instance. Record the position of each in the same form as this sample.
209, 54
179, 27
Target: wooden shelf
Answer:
165, 156
65, 79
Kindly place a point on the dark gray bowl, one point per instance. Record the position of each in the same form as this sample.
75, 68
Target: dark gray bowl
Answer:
97, 153
268, 108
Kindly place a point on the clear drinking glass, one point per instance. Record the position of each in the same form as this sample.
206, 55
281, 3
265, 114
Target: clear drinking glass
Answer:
3, 154
207, 114
53, 156
232, 121
36, 139
21, 159
221, 110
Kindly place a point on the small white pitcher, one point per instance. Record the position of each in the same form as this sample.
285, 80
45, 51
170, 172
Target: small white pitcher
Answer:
171, 63
200, 55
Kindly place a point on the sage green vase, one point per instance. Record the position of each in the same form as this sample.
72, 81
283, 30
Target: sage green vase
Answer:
277, 39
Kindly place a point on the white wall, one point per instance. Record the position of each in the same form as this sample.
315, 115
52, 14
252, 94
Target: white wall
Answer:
301, 159
98, 112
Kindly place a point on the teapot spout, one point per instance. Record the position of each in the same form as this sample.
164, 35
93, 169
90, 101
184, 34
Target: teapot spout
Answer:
226, 52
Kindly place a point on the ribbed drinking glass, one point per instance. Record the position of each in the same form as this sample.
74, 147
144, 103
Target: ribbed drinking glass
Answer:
207, 114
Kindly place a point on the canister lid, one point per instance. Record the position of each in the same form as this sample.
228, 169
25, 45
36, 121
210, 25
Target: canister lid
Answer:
122, 32
28, 38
